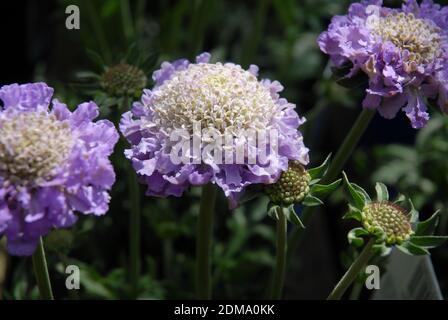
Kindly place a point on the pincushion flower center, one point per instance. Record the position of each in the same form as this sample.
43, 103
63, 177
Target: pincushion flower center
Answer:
420, 37
223, 97
390, 218
32, 146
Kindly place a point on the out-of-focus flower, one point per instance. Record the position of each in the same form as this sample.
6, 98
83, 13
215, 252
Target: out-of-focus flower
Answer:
53, 162
404, 53
226, 102
123, 80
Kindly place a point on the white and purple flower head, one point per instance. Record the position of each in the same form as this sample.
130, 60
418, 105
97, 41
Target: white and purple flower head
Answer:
225, 100
53, 162
403, 51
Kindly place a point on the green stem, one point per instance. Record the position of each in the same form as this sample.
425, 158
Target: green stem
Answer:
135, 213
134, 232
128, 26
336, 165
280, 266
255, 36
99, 32
204, 241
41, 272
199, 18
352, 272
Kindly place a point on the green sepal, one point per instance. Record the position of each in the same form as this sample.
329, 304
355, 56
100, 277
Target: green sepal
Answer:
413, 213
355, 236
311, 201
353, 213
317, 172
292, 216
272, 210
428, 242
412, 249
381, 249
357, 193
381, 192
322, 190
401, 198
427, 227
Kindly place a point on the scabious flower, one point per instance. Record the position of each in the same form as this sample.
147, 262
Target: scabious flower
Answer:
53, 162
224, 99
404, 53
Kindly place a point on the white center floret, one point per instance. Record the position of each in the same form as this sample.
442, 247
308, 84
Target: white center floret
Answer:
223, 97
420, 37
32, 146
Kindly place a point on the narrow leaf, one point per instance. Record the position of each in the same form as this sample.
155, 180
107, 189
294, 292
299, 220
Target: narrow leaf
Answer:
428, 241
318, 172
412, 249
353, 213
323, 190
427, 227
311, 201
358, 198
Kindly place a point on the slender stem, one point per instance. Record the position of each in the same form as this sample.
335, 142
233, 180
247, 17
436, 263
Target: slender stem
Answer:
4, 261
134, 232
126, 17
349, 144
204, 241
135, 212
352, 272
336, 165
255, 36
41, 272
280, 266
202, 9
99, 31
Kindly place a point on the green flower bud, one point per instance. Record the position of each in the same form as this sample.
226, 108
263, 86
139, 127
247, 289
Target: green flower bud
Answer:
388, 218
123, 80
291, 187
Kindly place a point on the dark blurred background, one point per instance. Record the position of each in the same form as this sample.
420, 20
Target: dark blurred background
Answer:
280, 37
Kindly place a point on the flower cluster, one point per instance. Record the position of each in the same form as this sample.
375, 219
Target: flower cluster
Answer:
52, 162
225, 100
404, 53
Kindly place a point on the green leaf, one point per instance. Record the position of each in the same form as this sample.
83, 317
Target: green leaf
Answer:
292, 216
354, 236
322, 190
362, 191
427, 227
381, 192
428, 241
412, 249
358, 196
353, 213
311, 201
318, 172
